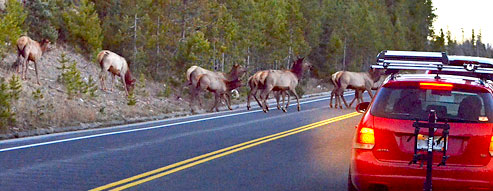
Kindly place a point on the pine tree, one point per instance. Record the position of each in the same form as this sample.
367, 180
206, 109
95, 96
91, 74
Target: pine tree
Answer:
11, 22
15, 87
84, 26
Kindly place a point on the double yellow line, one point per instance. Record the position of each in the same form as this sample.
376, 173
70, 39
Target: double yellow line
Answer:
163, 171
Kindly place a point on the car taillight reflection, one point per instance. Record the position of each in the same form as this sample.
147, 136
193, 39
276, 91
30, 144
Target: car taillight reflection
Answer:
365, 138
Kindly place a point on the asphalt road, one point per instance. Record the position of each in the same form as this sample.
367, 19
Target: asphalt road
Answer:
233, 150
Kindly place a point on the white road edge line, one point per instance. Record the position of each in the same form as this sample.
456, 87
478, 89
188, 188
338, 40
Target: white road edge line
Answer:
143, 129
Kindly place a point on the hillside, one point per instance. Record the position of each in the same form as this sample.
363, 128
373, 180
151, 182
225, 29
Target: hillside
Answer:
55, 109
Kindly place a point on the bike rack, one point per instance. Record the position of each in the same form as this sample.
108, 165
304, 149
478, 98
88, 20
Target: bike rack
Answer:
432, 126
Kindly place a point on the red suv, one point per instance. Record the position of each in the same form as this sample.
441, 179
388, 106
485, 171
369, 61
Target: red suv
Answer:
384, 145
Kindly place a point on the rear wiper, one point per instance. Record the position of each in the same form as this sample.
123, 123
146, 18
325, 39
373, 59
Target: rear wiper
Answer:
403, 114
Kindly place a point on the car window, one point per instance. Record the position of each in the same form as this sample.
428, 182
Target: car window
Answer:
415, 103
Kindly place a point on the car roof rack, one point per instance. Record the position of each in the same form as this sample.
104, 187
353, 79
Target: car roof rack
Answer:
393, 61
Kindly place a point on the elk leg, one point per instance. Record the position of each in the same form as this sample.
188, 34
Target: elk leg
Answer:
253, 92
266, 104
36, 70
360, 99
276, 95
249, 96
283, 97
331, 96
228, 100
124, 83
341, 95
297, 98
344, 100
369, 92
289, 98
112, 82
26, 62
216, 99
263, 97
356, 97
256, 99
360, 96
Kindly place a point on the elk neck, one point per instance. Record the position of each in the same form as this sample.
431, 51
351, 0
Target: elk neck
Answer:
232, 84
297, 69
128, 77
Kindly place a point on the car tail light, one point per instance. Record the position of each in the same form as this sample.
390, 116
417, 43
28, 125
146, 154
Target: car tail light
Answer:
435, 86
491, 146
365, 138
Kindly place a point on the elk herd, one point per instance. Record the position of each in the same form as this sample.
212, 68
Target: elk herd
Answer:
280, 83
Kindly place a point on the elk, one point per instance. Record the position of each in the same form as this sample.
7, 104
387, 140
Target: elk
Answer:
334, 78
30, 50
359, 81
284, 80
117, 66
256, 83
220, 87
194, 73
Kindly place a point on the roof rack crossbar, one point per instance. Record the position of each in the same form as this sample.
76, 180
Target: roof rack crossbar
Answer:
405, 66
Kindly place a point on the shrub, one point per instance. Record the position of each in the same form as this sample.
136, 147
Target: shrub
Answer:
72, 80
131, 99
7, 116
40, 19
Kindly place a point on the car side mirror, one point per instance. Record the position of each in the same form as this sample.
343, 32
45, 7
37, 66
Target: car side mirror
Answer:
362, 107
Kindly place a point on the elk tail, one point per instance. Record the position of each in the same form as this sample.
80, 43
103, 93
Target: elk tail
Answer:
198, 81
102, 58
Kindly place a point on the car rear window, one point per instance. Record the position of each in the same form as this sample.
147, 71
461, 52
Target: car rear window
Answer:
414, 103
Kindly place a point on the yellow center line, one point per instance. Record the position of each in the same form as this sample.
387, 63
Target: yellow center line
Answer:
231, 149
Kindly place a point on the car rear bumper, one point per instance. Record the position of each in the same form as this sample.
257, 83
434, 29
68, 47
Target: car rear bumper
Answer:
367, 171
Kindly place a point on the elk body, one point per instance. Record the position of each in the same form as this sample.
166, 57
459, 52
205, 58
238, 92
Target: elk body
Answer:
256, 84
220, 87
30, 50
117, 66
284, 80
359, 81
212, 80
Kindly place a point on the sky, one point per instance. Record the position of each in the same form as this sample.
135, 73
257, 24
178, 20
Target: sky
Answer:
454, 15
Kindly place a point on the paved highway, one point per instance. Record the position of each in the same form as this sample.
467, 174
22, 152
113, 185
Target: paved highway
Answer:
233, 150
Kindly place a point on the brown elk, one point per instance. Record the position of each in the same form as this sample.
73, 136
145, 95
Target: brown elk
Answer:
284, 80
220, 87
256, 83
334, 78
30, 50
117, 66
195, 72
359, 81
